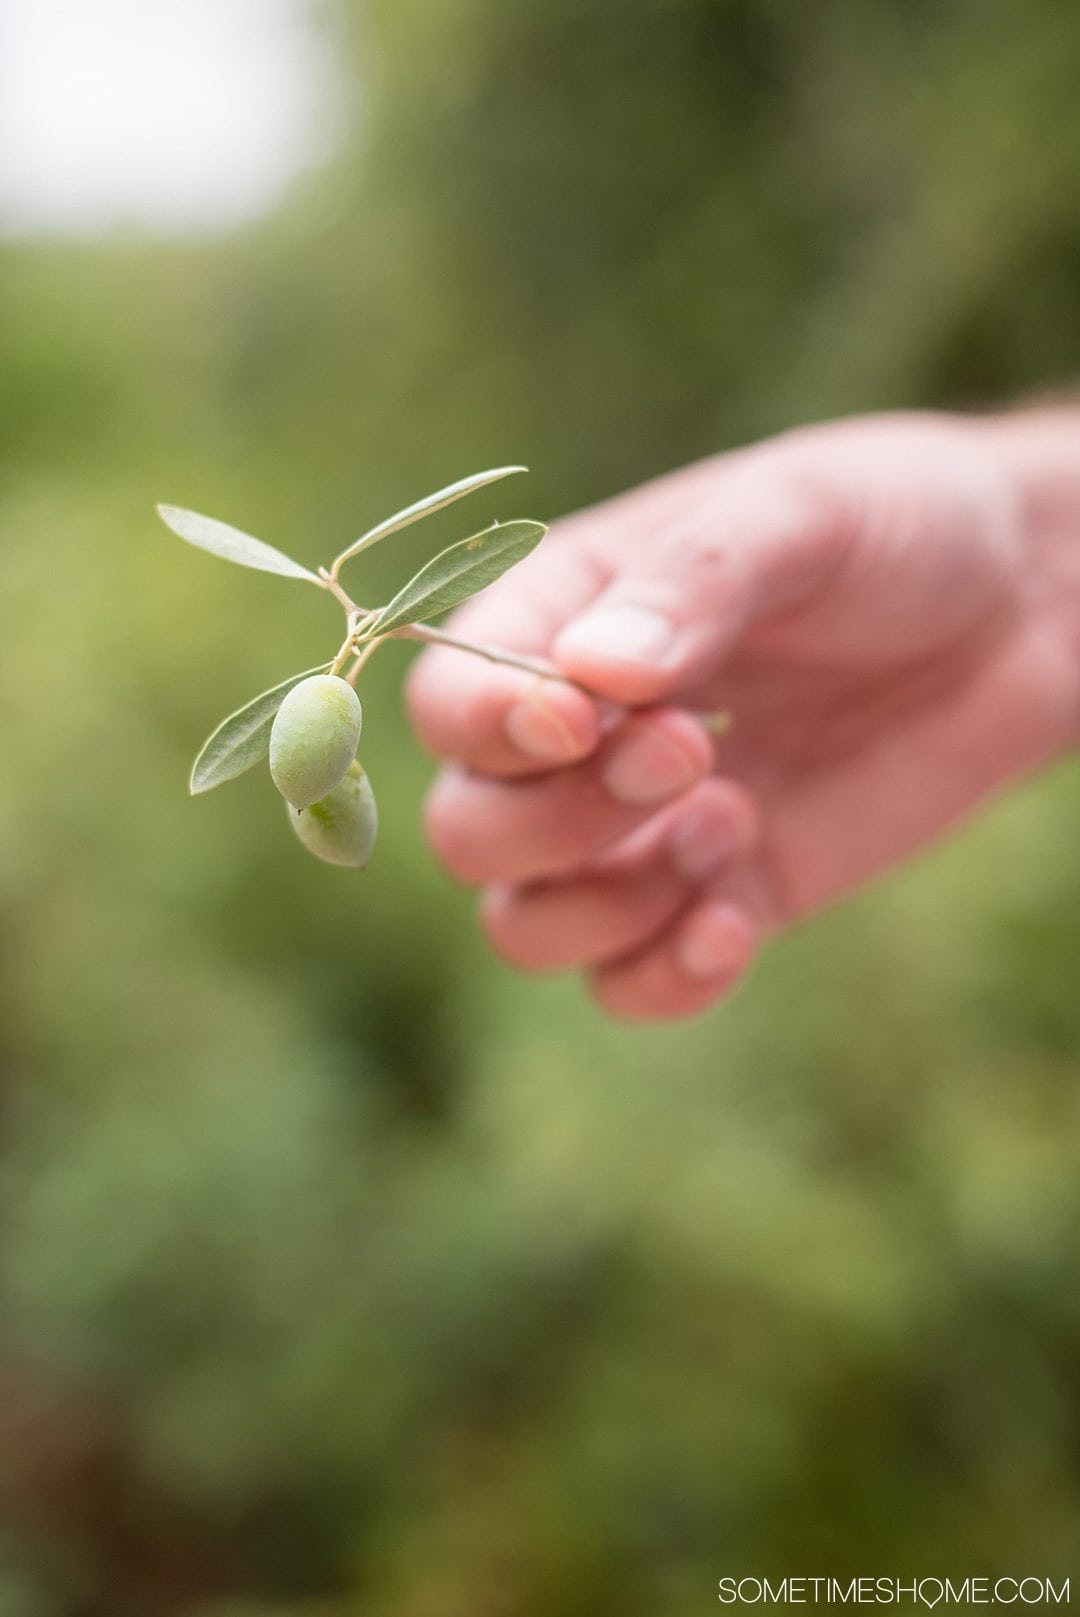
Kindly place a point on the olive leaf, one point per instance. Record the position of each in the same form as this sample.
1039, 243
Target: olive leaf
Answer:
243, 738
423, 508
232, 545
455, 574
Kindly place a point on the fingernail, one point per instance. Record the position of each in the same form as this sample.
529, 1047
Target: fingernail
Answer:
622, 633
714, 943
536, 730
650, 765
701, 842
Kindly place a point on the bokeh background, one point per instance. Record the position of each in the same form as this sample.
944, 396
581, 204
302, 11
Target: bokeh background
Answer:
343, 1271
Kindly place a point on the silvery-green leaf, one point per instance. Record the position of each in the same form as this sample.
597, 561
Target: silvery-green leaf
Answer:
455, 574
423, 508
232, 545
243, 738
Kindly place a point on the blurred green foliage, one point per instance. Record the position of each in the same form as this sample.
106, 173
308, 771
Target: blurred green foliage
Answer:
342, 1270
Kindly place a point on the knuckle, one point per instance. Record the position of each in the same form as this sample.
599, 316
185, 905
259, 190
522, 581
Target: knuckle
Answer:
424, 700
800, 470
418, 681
612, 996
510, 935
561, 842
448, 831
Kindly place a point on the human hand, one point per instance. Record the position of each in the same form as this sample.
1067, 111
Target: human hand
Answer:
874, 603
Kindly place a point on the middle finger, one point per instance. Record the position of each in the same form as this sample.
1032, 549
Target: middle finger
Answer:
487, 830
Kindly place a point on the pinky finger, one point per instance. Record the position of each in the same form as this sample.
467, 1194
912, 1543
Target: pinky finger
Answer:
691, 966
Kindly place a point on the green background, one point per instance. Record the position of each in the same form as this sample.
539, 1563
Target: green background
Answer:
343, 1271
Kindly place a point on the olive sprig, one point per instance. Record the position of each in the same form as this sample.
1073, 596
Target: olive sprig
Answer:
310, 724
359, 643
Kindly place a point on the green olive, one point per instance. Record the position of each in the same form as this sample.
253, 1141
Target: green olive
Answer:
341, 827
314, 738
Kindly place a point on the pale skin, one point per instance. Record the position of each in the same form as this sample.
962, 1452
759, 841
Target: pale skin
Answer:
888, 607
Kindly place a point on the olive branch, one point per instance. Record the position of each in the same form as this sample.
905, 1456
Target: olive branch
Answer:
325, 778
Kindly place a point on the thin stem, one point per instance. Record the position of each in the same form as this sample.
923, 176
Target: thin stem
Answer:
492, 654
363, 656
346, 649
359, 618
330, 582
715, 721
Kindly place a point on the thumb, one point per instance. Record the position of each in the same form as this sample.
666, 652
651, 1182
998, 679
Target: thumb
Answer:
755, 535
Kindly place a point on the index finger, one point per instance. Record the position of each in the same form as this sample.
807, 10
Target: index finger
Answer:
500, 720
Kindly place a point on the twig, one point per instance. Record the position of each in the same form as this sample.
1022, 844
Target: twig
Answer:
359, 618
492, 654
363, 656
